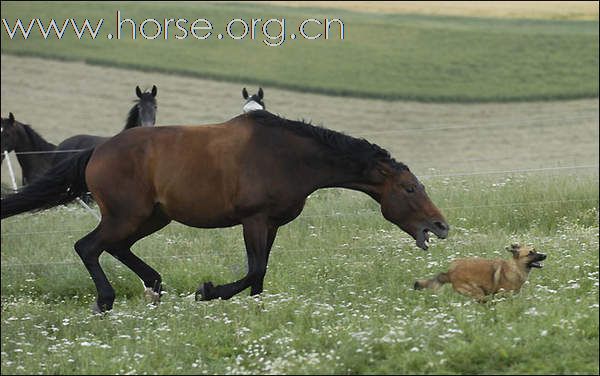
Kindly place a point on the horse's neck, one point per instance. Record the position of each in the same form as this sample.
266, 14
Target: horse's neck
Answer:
355, 184
342, 176
29, 141
33, 164
133, 118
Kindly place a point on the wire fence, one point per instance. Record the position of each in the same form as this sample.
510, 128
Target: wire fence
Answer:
345, 215
490, 125
48, 151
73, 229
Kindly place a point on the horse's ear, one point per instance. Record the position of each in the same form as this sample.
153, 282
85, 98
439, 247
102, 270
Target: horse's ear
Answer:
11, 117
245, 93
154, 90
260, 93
138, 92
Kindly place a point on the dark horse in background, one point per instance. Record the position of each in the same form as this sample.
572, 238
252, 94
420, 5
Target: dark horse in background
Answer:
256, 170
142, 114
36, 155
32, 149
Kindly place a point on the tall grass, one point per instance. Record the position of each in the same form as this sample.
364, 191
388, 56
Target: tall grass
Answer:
338, 296
426, 58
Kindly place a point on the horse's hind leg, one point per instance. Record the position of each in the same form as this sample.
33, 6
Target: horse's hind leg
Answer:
150, 277
89, 248
109, 233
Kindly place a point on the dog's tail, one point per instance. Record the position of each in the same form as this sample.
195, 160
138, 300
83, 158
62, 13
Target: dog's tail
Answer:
432, 283
59, 185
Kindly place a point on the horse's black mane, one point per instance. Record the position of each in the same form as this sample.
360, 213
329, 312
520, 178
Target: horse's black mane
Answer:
37, 141
357, 149
134, 114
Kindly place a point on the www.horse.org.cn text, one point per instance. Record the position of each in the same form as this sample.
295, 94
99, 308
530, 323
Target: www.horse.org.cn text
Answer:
272, 31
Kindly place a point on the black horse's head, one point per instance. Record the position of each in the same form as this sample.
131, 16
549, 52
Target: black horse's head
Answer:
253, 102
405, 203
9, 134
143, 113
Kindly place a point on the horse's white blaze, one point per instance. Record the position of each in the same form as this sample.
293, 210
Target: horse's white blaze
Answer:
252, 106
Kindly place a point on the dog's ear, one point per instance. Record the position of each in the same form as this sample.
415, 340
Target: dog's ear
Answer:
514, 249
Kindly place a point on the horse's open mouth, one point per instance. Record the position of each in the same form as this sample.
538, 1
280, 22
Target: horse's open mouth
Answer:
423, 239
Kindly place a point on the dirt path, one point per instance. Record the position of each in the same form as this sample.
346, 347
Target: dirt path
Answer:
60, 99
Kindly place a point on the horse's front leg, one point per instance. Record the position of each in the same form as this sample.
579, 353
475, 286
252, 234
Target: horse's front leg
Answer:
258, 238
261, 261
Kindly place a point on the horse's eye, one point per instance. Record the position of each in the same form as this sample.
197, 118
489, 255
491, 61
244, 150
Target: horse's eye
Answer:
530, 253
410, 189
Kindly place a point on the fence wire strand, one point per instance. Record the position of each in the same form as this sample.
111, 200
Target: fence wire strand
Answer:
14, 265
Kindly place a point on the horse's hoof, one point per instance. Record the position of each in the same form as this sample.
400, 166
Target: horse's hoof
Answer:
204, 291
151, 296
97, 310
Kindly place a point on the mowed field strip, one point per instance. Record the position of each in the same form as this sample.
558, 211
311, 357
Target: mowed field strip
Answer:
68, 98
560, 10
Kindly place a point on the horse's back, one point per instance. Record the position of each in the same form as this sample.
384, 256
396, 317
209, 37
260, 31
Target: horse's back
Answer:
75, 144
192, 172
81, 141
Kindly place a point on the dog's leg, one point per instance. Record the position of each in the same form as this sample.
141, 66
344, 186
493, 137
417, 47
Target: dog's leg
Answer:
497, 277
471, 290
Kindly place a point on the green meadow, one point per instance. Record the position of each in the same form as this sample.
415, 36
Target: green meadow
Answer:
388, 56
338, 294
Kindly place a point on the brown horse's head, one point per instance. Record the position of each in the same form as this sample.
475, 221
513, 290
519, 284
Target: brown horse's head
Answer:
405, 203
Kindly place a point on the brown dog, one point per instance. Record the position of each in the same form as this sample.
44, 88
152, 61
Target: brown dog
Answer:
478, 277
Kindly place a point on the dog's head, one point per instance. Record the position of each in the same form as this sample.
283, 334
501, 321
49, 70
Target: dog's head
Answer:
526, 256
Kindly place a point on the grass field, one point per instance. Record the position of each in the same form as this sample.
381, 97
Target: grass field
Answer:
338, 295
391, 56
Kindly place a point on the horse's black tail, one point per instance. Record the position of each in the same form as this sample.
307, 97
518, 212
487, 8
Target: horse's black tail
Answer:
61, 184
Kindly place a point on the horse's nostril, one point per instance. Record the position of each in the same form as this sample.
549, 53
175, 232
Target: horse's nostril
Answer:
441, 225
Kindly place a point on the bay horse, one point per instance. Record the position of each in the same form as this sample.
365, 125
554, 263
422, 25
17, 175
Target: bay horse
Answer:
253, 102
142, 114
256, 170
32, 149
